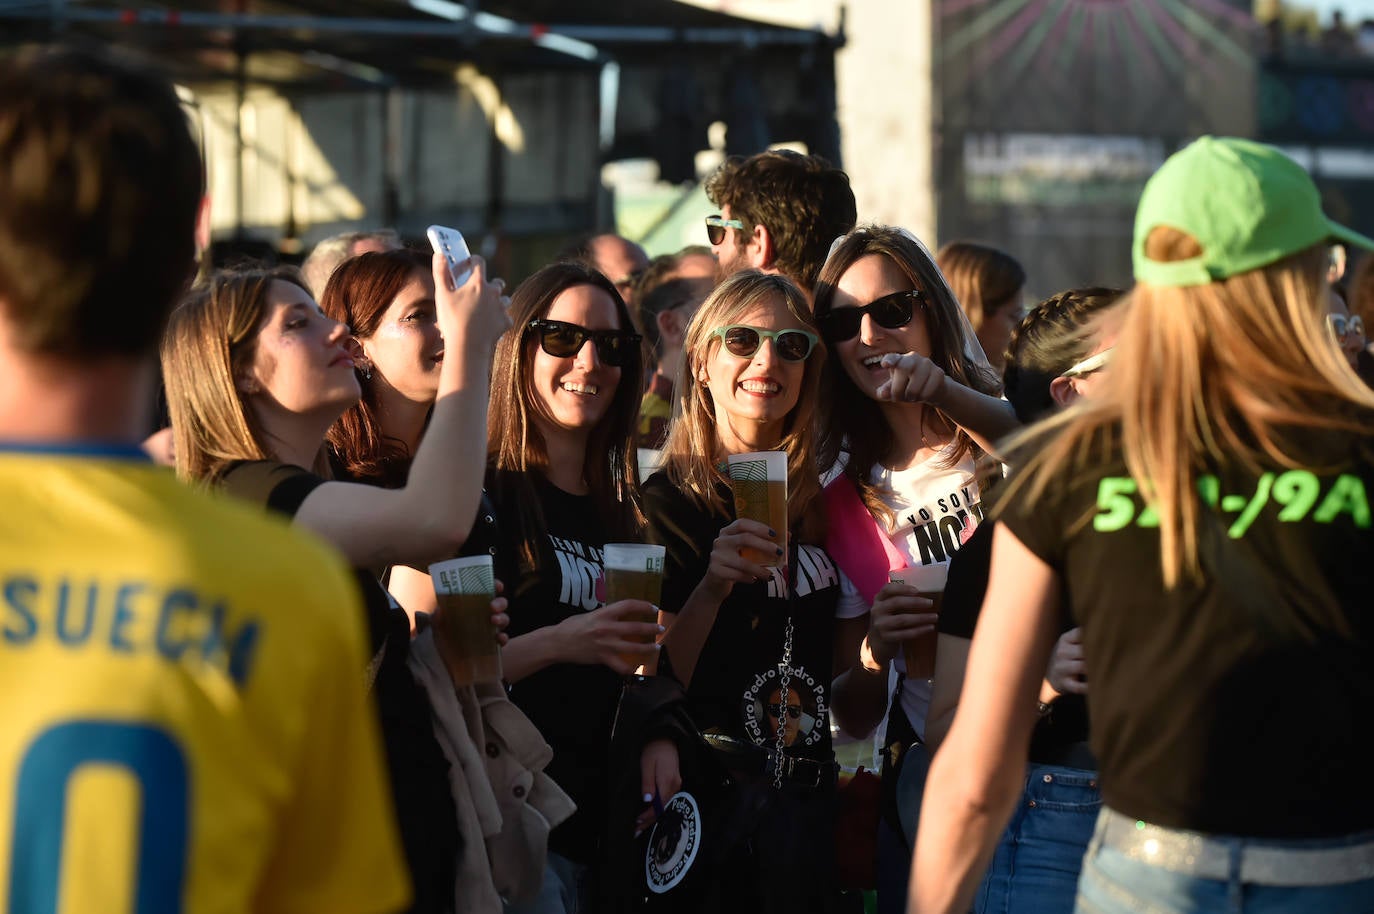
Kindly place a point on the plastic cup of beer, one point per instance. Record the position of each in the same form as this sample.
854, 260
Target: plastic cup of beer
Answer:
759, 483
919, 653
465, 588
634, 571
649, 461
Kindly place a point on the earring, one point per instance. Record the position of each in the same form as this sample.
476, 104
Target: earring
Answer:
367, 372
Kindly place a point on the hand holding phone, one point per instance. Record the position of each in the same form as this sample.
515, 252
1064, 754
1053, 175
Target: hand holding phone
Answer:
449, 242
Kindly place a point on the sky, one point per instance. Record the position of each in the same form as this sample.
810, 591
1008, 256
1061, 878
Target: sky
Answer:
1354, 10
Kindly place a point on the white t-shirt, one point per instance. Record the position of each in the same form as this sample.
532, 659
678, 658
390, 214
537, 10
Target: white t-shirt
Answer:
936, 509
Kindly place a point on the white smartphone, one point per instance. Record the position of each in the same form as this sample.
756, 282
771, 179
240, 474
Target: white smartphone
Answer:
450, 243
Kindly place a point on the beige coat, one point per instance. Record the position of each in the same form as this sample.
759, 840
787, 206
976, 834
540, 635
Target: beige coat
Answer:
500, 791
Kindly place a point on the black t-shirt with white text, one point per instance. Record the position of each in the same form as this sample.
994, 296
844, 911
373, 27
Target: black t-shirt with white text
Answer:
1067, 723
573, 705
1237, 703
736, 686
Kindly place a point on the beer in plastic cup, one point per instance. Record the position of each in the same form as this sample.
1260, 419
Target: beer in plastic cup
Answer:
634, 571
649, 461
465, 588
759, 483
919, 653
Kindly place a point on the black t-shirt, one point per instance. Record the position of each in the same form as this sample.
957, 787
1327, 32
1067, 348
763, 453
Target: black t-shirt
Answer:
735, 689
1067, 724
416, 763
1238, 705
572, 704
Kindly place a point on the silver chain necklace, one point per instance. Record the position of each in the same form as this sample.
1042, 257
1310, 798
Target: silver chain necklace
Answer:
784, 689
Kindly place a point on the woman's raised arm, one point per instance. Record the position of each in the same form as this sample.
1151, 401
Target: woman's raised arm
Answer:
977, 773
430, 517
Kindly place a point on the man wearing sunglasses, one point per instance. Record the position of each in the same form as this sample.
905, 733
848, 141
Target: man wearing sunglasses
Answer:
779, 212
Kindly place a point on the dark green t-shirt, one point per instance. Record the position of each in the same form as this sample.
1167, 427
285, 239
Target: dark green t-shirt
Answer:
1236, 703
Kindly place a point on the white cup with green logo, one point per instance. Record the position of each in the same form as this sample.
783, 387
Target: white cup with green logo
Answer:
758, 481
465, 588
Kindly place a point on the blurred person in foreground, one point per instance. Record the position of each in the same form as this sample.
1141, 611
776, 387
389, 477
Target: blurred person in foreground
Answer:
1206, 517
779, 213
200, 661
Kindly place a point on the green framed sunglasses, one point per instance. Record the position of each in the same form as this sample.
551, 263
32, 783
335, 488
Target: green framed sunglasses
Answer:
743, 341
716, 226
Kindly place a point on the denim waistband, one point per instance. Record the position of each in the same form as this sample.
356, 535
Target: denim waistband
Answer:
1257, 862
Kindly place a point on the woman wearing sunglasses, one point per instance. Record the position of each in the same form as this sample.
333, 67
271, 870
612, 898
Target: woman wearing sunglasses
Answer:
754, 645
256, 374
565, 394
1349, 330
908, 404
1359, 298
1206, 516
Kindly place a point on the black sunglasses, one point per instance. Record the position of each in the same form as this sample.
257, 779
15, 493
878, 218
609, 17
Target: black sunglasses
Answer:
563, 340
890, 311
743, 341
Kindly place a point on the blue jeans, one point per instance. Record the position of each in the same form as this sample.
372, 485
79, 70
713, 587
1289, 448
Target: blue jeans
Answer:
564, 890
1035, 867
1114, 883
893, 870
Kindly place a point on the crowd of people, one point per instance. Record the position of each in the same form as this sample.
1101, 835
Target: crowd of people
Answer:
1087, 575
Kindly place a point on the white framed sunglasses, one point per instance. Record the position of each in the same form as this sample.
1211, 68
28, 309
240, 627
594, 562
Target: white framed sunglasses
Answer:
742, 341
1095, 362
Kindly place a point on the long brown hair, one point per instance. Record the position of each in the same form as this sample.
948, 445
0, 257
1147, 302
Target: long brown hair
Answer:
210, 341
358, 294
515, 442
692, 455
983, 279
852, 421
1215, 375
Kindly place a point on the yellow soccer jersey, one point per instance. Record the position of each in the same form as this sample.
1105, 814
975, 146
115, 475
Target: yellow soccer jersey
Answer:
183, 721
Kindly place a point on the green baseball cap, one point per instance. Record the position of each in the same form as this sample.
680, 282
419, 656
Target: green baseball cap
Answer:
1246, 203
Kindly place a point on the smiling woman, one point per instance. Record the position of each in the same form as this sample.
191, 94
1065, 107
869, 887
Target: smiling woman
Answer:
756, 647
566, 387
909, 404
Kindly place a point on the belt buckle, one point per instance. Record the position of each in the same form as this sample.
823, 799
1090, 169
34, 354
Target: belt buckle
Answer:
791, 767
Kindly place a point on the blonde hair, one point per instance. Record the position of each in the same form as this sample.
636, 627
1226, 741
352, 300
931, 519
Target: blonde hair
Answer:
211, 339
692, 452
1205, 377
